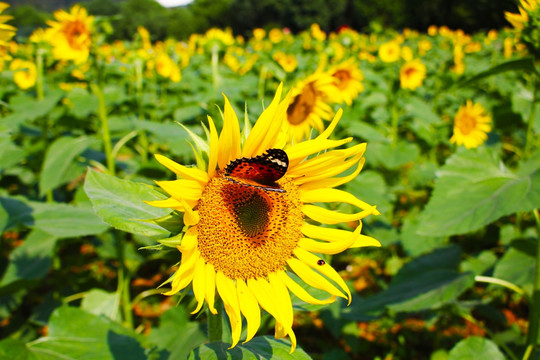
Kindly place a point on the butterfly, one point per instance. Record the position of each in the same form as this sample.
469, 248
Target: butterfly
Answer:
260, 171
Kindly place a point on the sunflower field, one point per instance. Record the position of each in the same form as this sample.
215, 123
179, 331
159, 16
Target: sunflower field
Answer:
316, 195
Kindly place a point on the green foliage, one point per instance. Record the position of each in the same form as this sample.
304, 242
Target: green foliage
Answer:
80, 246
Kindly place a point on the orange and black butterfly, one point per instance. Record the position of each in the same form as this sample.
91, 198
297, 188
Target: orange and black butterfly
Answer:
260, 171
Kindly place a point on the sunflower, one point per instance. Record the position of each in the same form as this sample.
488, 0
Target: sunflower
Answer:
25, 73
71, 34
6, 31
471, 125
287, 62
309, 105
390, 51
348, 80
519, 20
245, 241
412, 74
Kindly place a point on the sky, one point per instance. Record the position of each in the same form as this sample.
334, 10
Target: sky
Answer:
171, 3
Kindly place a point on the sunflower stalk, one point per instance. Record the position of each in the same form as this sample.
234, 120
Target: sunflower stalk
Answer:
215, 327
105, 133
534, 312
215, 63
143, 139
39, 75
530, 138
122, 290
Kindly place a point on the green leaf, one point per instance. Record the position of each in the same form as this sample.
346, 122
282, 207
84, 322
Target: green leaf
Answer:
474, 189
260, 348
392, 157
82, 103
428, 282
516, 267
184, 113
99, 302
76, 334
475, 348
10, 153
60, 220
58, 159
370, 186
415, 244
30, 109
15, 349
173, 322
524, 64
120, 203
30, 261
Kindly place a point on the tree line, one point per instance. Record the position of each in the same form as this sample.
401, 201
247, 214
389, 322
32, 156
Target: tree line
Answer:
245, 15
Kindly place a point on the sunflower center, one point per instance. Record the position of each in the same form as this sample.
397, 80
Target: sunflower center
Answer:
466, 124
252, 211
302, 105
73, 30
248, 232
409, 72
343, 77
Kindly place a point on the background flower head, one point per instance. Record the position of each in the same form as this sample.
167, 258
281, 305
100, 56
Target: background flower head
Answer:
471, 125
71, 34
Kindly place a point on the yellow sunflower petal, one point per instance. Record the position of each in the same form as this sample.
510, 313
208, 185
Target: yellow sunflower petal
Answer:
298, 152
325, 233
189, 241
167, 203
191, 217
184, 275
326, 216
188, 190
227, 292
260, 289
301, 293
199, 289
249, 307
282, 298
210, 291
325, 247
214, 148
183, 171
364, 240
315, 174
229, 140
313, 278
266, 129
333, 195
335, 181
327, 270
330, 129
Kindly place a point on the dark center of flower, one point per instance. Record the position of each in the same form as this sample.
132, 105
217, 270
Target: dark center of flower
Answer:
466, 124
343, 77
73, 30
246, 232
252, 212
302, 105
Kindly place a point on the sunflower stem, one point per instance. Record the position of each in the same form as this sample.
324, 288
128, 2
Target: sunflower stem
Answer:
262, 81
395, 122
215, 70
39, 75
122, 290
530, 139
106, 135
143, 139
534, 312
215, 326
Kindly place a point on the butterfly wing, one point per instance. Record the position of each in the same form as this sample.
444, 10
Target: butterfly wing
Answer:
260, 171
